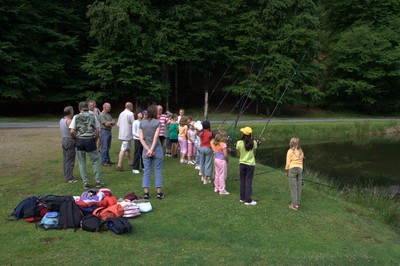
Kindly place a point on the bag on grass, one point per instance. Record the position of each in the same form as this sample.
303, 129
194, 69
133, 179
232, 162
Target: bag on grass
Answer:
119, 225
53, 202
144, 206
92, 223
50, 221
110, 212
131, 210
70, 214
26, 208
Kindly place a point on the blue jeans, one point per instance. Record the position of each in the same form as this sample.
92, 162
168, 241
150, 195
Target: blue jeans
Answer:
157, 160
206, 157
105, 136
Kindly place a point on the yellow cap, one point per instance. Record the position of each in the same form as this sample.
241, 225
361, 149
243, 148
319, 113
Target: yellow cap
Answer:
246, 130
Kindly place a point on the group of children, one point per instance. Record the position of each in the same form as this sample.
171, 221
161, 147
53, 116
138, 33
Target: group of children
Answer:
197, 145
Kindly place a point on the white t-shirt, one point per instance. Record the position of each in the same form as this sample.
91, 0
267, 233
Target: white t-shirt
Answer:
125, 121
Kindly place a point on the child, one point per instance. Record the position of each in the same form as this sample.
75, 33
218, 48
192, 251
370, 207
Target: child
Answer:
206, 152
246, 151
198, 127
182, 138
294, 171
191, 136
166, 134
137, 155
220, 149
173, 135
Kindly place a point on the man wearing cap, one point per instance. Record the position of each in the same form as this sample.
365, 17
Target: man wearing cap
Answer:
125, 121
84, 128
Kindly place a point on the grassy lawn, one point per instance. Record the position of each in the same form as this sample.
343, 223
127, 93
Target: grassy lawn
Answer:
192, 225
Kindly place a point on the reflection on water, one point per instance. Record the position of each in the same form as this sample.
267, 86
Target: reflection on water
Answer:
371, 162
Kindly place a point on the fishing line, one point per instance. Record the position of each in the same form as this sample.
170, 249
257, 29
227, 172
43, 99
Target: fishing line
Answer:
284, 91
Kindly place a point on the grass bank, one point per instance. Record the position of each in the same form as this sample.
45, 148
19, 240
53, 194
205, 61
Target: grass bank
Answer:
192, 225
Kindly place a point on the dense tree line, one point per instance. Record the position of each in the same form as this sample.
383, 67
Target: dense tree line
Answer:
331, 54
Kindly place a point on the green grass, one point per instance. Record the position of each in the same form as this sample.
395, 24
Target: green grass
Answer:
192, 225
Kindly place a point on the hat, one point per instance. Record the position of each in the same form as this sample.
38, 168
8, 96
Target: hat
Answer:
144, 112
83, 106
198, 126
246, 130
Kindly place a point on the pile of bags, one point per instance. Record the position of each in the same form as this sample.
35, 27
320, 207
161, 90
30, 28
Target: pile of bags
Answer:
93, 211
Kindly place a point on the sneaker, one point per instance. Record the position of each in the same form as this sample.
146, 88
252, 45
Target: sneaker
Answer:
216, 190
224, 192
146, 196
252, 203
241, 201
197, 167
191, 162
100, 184
72, 180
200, 174
135, 171
86, 185
160, 195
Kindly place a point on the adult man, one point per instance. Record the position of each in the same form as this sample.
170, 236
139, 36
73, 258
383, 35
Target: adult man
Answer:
106, 124
163, 119
92, 105
68, 145
84, 129
125, 120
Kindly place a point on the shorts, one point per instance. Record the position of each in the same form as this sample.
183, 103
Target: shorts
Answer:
126, 145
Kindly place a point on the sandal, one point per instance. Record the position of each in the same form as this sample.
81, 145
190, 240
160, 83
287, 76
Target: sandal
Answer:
293, 207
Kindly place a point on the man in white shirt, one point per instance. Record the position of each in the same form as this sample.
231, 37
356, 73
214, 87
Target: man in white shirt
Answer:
124, 123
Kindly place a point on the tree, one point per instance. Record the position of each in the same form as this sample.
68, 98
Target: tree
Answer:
271, 40
363, 63
39, 50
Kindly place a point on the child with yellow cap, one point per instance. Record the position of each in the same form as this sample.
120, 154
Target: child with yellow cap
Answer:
246, 151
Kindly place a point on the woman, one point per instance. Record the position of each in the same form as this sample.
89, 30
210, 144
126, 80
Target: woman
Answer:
149, 132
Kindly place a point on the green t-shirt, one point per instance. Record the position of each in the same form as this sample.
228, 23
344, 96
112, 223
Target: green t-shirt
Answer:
246, 157
173, 131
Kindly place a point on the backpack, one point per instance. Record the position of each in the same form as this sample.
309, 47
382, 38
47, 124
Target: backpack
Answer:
110, 212
91, 223
70, 214
119, 225
52, 202
131, 210
50, 221
26, 208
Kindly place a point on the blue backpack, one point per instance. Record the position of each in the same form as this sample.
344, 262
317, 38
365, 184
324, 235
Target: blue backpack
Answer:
26, 208
50, 221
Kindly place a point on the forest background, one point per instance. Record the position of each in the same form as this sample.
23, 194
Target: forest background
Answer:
337, 54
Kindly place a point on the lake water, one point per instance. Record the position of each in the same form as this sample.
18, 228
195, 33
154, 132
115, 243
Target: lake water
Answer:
351, 162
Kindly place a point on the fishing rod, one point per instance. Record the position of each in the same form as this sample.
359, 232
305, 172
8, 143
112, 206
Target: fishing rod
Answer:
284, 91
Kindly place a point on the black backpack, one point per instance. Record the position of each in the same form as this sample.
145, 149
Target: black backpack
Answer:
70, 214
92, 223
119, 225
53, 202
26, 208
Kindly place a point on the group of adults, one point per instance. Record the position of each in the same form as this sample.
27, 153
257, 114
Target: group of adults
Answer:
90, 132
